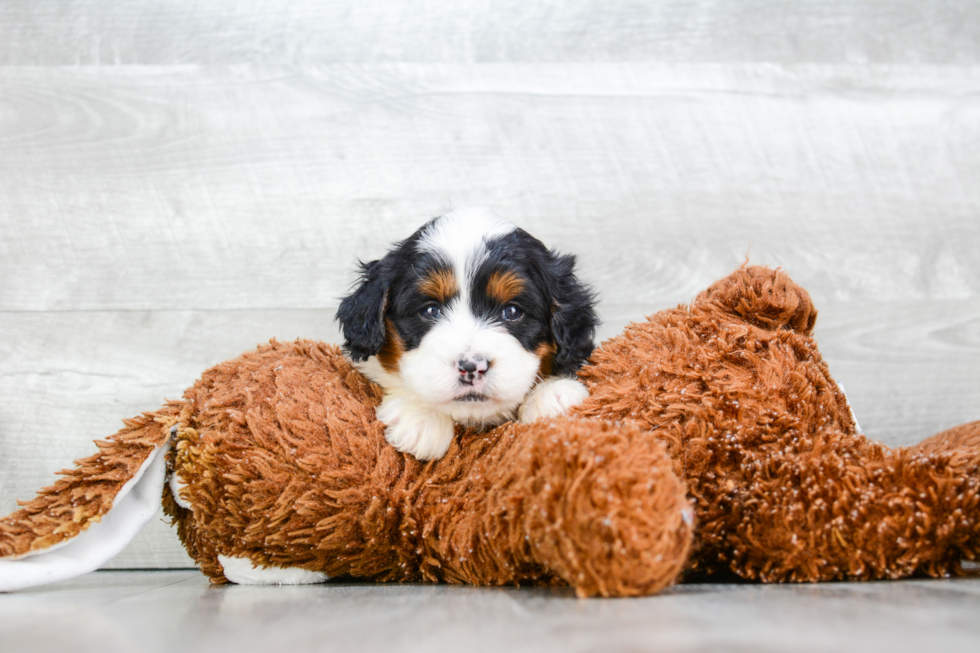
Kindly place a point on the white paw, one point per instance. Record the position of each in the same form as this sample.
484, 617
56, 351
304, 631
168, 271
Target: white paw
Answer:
242, 571
415, 428
550, 398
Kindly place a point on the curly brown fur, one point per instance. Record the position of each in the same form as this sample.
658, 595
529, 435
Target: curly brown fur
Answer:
285, 464
85, 493
784, 486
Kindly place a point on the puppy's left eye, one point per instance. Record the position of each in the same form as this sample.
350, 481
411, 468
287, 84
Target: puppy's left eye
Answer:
511, 313
430, 313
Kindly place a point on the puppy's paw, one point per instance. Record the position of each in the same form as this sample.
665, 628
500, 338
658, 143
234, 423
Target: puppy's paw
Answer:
550, 398
416, 429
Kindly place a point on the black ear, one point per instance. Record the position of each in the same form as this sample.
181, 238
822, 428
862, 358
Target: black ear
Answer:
573, 317
361, 314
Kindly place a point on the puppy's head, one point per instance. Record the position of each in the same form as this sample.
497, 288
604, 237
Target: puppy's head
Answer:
466, 315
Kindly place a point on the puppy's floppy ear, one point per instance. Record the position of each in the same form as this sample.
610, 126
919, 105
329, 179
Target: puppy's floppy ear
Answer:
361, 314
573, 317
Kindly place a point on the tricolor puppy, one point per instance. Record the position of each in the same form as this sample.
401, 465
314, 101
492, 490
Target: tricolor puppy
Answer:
472, 321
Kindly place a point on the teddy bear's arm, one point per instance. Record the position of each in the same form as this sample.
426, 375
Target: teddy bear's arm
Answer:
594, 505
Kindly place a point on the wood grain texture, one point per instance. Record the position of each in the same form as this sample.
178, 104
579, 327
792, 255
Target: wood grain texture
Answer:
181, 181
860, 179
909, 369
218, 32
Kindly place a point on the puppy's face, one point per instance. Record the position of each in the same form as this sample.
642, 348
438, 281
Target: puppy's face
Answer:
465, 315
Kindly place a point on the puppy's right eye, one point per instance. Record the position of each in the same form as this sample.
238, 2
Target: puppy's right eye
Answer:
430, 313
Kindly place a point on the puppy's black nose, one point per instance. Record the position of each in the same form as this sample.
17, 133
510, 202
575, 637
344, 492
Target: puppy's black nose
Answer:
471, 368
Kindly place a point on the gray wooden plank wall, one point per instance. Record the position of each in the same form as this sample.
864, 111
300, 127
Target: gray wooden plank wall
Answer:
180, 181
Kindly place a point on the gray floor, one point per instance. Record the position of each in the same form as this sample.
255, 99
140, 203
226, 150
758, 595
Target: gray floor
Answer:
152, 611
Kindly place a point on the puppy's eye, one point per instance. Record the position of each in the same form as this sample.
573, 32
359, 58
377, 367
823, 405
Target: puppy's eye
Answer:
511, 313
430, 312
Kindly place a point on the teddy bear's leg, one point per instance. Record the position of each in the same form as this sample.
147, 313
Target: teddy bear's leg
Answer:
243, 571
963, 439
197, 543
840, 513
594, 505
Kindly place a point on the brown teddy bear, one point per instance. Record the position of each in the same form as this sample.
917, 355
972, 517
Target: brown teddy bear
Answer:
725, 406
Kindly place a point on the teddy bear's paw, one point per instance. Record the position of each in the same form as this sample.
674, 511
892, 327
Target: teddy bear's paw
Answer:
415, 428
550, 398
243, 571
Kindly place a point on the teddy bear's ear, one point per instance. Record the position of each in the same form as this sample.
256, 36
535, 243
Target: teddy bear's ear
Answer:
765, 297
573, 317
361, 314
88, 516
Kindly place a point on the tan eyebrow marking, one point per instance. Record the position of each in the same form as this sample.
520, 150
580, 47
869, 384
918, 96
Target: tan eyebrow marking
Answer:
391, 352
440, 285
504, 286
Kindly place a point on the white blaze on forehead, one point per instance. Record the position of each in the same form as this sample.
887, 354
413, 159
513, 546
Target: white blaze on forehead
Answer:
459, 237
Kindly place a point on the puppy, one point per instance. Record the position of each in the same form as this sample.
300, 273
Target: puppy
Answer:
470, 320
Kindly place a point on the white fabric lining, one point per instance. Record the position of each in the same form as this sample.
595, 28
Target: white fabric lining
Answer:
135, 505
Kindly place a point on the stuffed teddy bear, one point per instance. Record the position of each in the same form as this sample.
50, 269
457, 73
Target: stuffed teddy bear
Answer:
714, 441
